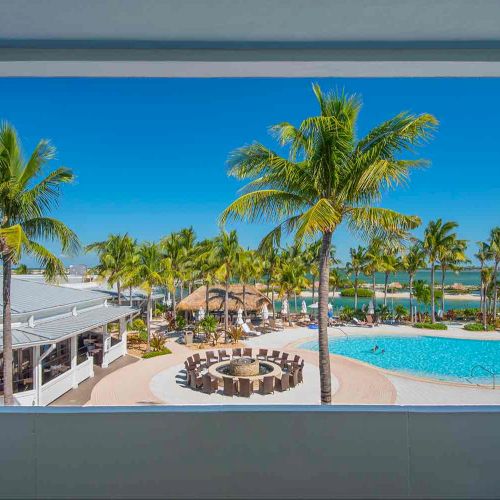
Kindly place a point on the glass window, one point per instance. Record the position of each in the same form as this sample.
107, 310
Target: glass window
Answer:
57, 362
22, 370
114, 331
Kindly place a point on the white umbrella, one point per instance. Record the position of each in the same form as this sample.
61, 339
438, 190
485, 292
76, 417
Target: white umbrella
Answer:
330, 307
314, 306
371, 308
239, 319
169, 300
303, 308
284, 307
201, 313
265, 312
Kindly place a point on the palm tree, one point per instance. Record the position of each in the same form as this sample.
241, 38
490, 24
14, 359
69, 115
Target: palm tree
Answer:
450, 258
204, 262
373, 264
150, 273
225, 255
438, 236
21, 269
26, 197
329, 177
390, 264
486, 278
249, 268
114, 258
412, 261
482, 256
422, 292
270, 259
355, 266
336, 281
310, 256
494, 246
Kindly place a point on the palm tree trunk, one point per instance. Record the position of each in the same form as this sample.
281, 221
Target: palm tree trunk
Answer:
289, 309
207, 297
356, 291
226, 312
295, 298
433, 303
272, 300
8, 392
182, 289
119, 291
313, 288
443, 273
386, 284
130, 295
495, 292
374, 291
244, 301
148, 322
411, 298
324, 354
174, 304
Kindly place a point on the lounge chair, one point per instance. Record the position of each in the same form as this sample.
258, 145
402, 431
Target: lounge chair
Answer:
357, 322
237, 352
282, 384
245, 387
274, 357
247, 331
262, 354
370, 320
210, 384
247, 352
266, 385
276, 324
223, 355
230, 386
211, 358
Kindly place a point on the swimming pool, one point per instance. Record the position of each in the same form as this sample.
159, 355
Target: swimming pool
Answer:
431, 357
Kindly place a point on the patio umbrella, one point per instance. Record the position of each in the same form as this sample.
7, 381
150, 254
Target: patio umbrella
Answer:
330, 307
239, 319
169, 300
371, 309
314, 306
303, 308
284, 307
265, 312
201, 313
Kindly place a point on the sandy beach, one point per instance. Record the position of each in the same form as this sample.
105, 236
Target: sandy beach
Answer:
405, 295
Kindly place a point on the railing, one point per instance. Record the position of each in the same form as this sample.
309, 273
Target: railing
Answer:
485, 369
342, 331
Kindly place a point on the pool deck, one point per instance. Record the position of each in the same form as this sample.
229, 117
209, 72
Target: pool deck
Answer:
160, 380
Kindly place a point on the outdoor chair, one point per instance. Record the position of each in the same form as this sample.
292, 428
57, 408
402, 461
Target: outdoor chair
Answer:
230, 386
211, 358
357, 322
223, 355
196, 380
283, 359
197, 359
237, 352
262, 354
370, 320
282, 384
247, 352
300, 375
210, 384
296, 359
245, 387
274, 357
294, 378
248, 331
266, 385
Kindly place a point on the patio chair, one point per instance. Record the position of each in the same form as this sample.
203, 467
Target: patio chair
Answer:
237, 352
283, 359
245, 387
296, 359
266, 385
191, 361
247, 352
198, 359
357, 322
223, 355
294, 378
370, 320
230, 386
274, 356
262, 354
211, 358
282, 384
210, 384
248, 331
300, 374
196, 379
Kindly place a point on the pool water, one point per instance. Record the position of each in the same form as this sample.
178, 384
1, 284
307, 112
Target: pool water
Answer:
430, 357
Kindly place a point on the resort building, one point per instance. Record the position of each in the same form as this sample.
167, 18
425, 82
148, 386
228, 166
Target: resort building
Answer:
58, 335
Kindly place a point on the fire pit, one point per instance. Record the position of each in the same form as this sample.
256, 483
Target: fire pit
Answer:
244, 367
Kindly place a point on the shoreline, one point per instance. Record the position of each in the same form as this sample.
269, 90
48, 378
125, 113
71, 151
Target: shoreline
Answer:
401, 295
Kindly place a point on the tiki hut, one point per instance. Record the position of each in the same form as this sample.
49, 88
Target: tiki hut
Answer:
395, 285
458, 287
254, 300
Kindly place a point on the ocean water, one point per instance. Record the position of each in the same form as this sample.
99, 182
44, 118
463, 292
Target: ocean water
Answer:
433, 357
467, 277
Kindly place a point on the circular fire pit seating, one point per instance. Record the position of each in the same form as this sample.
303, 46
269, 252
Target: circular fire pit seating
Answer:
242, 371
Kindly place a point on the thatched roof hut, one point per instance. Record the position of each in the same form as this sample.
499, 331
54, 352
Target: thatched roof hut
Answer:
396, 285
458, 286
254, 300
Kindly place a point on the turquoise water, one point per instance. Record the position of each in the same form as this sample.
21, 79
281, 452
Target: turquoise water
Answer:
466, 277
432, 357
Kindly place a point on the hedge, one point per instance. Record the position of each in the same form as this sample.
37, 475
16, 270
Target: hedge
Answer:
153, 354
362, 292
431, 326
477, 327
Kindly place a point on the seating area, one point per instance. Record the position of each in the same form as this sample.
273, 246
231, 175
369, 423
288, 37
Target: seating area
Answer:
281, 372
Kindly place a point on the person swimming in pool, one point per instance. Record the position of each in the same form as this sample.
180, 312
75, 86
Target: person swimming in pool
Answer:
375, 348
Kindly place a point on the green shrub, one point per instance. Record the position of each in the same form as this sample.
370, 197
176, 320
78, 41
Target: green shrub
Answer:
139, 325
143, 336
477, 327
153, 354
180, 322
157, 342
362, 292
431, 326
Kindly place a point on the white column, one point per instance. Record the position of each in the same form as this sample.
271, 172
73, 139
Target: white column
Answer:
106, 344
123, 335
37, 375
74, 349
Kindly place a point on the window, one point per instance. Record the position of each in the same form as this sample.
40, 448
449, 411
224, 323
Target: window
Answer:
22, 370
57, 362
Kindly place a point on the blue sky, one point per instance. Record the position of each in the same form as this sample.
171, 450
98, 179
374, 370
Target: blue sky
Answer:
150, 154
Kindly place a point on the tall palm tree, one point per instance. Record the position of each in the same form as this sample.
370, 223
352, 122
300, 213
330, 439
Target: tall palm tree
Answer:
390, 264
247, 270
494, 245
355, 266
373, 264
451, 257
114, 258
486, 278
204, 262
27, 195
329, 177
225, 255
482, 256
310, 256
270, 257
412, 261
438, 236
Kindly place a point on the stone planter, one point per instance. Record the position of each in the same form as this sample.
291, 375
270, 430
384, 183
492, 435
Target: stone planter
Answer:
188, 338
